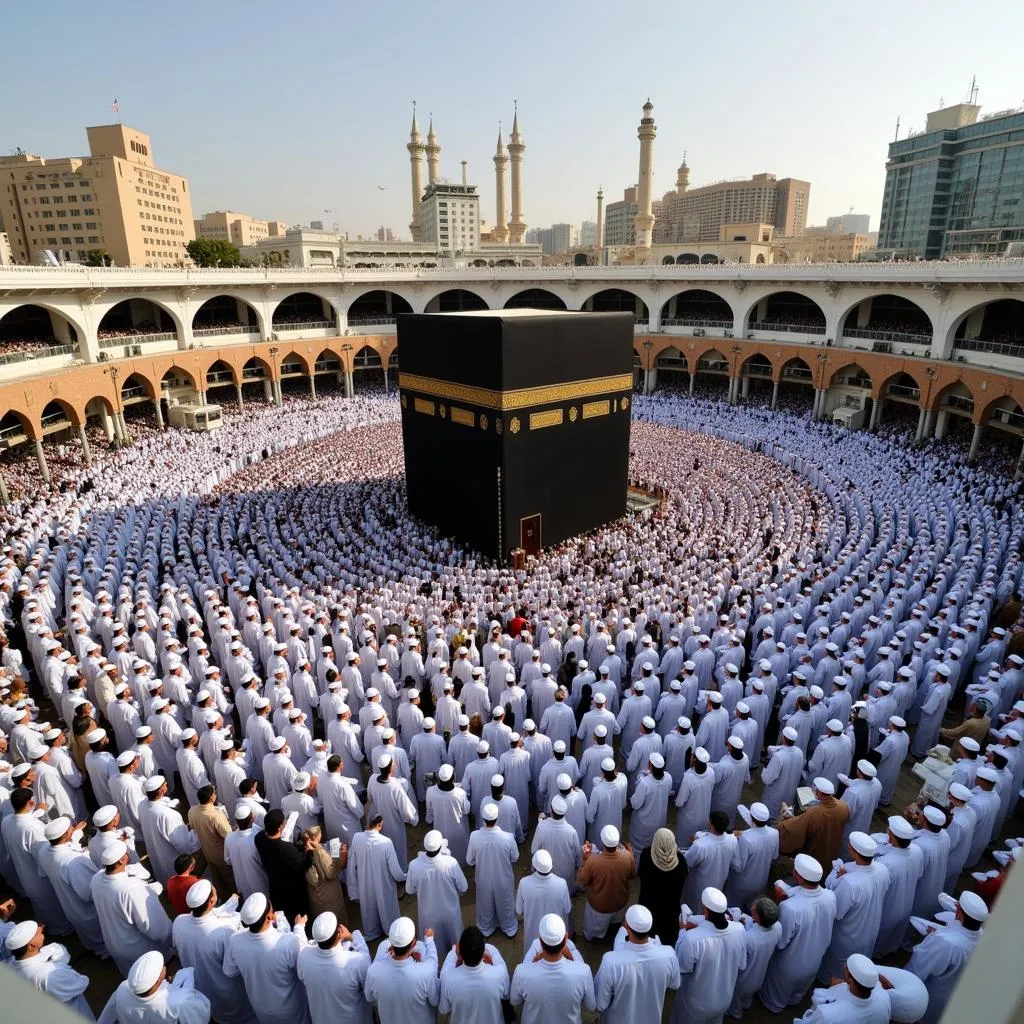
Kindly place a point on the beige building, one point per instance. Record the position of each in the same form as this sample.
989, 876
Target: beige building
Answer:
115, 199
824, 247
699, 214
6, 256
237, 228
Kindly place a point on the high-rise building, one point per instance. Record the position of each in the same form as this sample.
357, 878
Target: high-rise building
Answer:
699, 214
588, 233
115, 199
849, 224
450, 217
564, 237
6, 256
618, 219
957, 188
237, 228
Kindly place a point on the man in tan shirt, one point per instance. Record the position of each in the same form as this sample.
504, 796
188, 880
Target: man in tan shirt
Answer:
211, 825
606, 876
976, 727
817, 832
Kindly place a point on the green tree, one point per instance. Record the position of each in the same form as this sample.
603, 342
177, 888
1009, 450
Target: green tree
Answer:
95, 258
214, 252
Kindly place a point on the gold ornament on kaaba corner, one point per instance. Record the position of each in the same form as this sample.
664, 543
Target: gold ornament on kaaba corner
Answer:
514, 425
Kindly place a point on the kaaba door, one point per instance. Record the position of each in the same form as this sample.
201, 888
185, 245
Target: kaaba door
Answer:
529, 534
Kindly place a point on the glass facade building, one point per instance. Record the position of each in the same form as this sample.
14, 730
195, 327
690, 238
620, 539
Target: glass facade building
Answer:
957, 190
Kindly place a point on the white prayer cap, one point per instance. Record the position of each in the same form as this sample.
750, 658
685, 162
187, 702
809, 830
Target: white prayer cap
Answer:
735, 742
863, 844
51, 734
988, 774
600, 699
490, 811
483, 747
558, 806
702, 755
153, 783
791, 734
610, 837
104, 816
807, 868
293, 715
446, 773
1016, 659
95, 736
300, 782
944, 670
973, 906
743, 708
20, 769
648, 723
125, 758
862, 970
900, 827
608, 765
934, 816
899, 722
834, 725
21, 935
551, 930
675, 686
656, 760
113, 853
477, 672
959, 792
433, 841
733, 670
601, 730
867, 768
559, 746
817, 692
542, 862
463, 721
145, 972
56, 828
823, 785
638, 686
714, 899
277, 743
690, 666
254, 908
967, 743
324, 926
639, 919
198, 894
759, 812
243, 811
714, 697
384, 761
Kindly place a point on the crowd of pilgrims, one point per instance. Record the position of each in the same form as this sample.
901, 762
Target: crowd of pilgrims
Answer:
247, 704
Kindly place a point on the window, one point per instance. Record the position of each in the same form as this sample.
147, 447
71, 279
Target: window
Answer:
52, 240
94, 238
91, 225
75, 213
76, 227
54, 184
79, 240
66, 240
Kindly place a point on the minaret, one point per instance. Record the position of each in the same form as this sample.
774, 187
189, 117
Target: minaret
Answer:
683, 176
600, 219
433, 155
415, 147
499, 233
516, 149
643, 222
465, 173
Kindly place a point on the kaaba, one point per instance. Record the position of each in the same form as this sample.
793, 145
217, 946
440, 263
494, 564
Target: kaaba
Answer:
515, 423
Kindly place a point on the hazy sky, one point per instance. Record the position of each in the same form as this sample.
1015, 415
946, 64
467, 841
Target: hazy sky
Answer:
285, 110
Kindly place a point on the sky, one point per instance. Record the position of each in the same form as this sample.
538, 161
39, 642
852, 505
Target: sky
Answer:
301, 111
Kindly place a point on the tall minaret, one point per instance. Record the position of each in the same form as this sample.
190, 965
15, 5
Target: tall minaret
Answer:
465, 173
415, 147
683, 176
599, 242
643, 222
433, 155
499, 233
516, 149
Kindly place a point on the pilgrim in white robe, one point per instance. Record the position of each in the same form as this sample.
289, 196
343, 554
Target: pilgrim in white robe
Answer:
241, 855
175, 1002
48, 972
166, 836
266, 961
437, 883
391, 801
939, 960
473, 995
538, 895
404, 991
780, 777
334, 979
371, 877
493, 852
860, 893
761, 944
131, 917
693, 804
22, 834
756, 849
709, 860
710, 961
70, 870
631, 983
562, 841
448, 812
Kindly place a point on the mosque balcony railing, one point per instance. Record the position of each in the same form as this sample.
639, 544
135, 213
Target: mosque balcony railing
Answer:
903, 391
54, 421
303, 325
122, 340
212, 332
1007, 418
796, 373
292, 370
216, 378
999, 348
712, 366
26, 355
372, 321
758, 369
852, 382
135, 393
696, 321
253, 373
770, 325
902, 337
958, 403
327, 366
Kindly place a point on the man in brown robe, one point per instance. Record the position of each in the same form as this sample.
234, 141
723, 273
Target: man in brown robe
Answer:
817, 832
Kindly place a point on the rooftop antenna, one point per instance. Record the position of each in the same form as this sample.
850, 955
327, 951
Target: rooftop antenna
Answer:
972, 94
897, 135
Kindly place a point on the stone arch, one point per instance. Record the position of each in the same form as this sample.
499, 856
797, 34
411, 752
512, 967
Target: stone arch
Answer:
796, 370
137, 315
130, 388
329, 360
367, 358
377, 306
883, 314
303, 307
688, 259
535, 298
786, 310
455, 300
957, 398
672, 360
616, 300
58, 407
714, 360
256, 368
227, 311
15, 423
697, 307
850, 374
758, 359
995, 325
708, 258
176, 375
290, 358
36, 325
900, 385
1003, 412
219, 374
668, 261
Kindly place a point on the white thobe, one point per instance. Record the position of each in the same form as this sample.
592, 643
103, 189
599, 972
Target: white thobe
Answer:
202, 943
561, 840
70, 870
437, 883
514, 766
228, 775
939, 960
405, 991
709, 860
175, 1002
51, 790
371, 877
342, 809
731, 775
101, 767
934, 847
266, 961
986, 810
860, 898
693, 803
756, 849
128, 796
713, 732
832, 757
241, 855
166, 836
780, 777
807, 917
761, 943
48, 971
278, 774
131, 918
861, 796
334, 980
631, 983
448, 812
473, 995
192, 772
961, 832
552, 993
649, 804
538, 895
607, 802
838, 1005
427, 752
905, 867
493, 852
710, 960
22, 834
391, 801
476, 781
